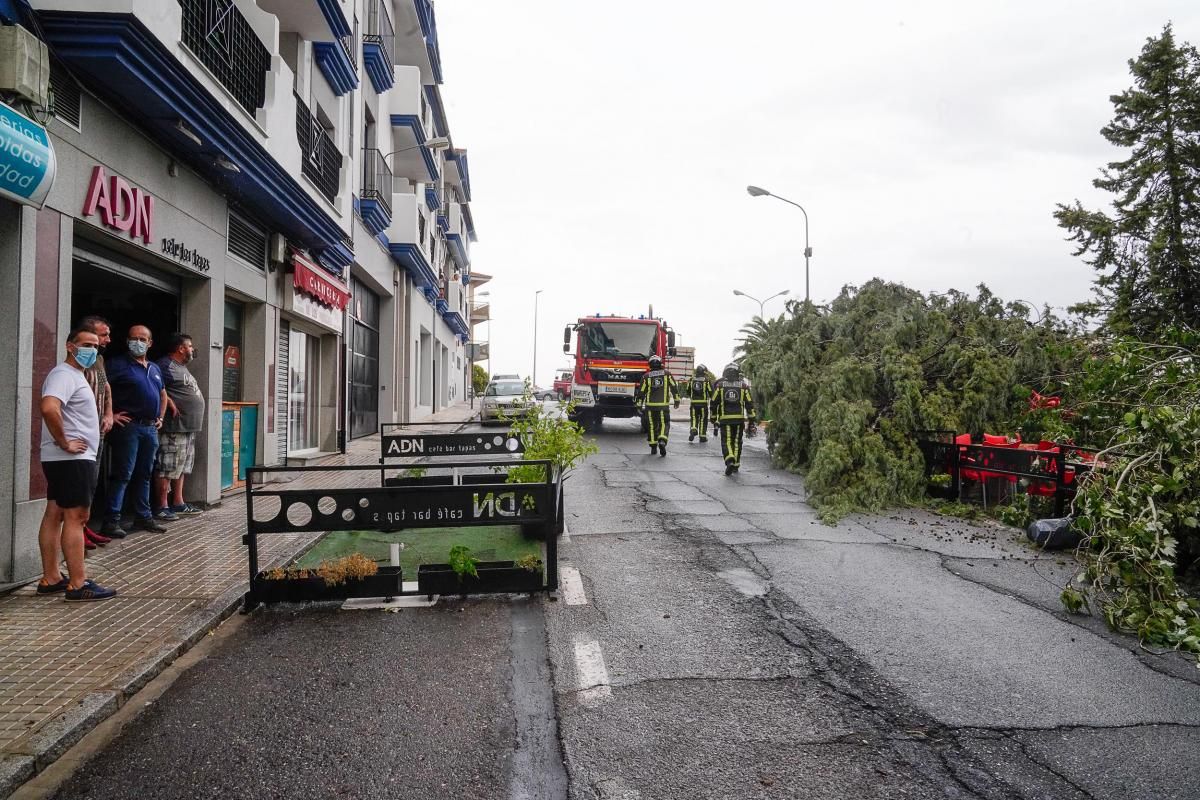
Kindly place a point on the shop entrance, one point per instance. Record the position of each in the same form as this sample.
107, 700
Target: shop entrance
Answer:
126, 297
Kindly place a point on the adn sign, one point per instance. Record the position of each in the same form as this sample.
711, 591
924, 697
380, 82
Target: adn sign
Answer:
119, 205
450, 444
27, 165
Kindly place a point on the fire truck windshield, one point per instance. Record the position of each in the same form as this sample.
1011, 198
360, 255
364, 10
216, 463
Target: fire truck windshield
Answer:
613, 339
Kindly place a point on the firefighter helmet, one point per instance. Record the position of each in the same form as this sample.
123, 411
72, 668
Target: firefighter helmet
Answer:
732, 372
655, 362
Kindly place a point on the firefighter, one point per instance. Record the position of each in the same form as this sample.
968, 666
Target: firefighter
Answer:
733, 410
654, 396
700, 391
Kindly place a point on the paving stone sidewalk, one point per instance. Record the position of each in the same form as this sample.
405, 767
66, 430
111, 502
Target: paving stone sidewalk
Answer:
65, 667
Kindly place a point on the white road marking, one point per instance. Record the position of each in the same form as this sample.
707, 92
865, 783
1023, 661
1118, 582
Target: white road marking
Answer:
593, 675
572, 587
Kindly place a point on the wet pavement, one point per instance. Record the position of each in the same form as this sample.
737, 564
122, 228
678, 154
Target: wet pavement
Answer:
712, 639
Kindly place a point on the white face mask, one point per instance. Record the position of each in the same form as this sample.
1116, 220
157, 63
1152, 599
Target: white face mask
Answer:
138, 348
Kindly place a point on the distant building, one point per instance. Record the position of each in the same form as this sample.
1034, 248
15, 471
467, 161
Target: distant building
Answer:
683, 363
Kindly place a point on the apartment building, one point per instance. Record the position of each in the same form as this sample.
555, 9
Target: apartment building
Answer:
276, 178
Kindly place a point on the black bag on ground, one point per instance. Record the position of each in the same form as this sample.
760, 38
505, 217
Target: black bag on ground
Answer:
1053, 534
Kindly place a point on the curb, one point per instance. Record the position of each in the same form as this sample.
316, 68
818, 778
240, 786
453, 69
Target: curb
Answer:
64, 732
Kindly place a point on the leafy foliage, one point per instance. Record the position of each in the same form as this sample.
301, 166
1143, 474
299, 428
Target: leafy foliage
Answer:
462, 562
847, 387
1146, 251
479, 379
1140, 511
548, 436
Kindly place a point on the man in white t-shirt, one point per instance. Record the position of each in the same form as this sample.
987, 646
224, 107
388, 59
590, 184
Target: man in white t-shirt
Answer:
70, 439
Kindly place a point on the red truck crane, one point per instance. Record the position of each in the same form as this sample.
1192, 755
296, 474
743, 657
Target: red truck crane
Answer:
612, 354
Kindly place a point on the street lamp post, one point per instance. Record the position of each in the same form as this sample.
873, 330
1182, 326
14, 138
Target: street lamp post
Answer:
755, 191
533, 376
435, 144
761, 303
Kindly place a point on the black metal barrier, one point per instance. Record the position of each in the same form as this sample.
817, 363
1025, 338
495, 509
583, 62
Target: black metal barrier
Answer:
398, 440
470, 500
1051, 472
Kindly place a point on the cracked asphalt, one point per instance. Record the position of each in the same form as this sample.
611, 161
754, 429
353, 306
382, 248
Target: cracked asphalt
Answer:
712, 639
731, 645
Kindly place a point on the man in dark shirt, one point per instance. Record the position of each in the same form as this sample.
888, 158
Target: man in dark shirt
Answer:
139, 399
177, 439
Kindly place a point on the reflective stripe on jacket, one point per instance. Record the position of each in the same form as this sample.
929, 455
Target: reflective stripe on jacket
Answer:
657, 389
732, 401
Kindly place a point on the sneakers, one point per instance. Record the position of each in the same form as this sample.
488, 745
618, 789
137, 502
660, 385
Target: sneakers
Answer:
53, 588
148, 525
165, 514
113, 530
90, 591
653, 449
187, 508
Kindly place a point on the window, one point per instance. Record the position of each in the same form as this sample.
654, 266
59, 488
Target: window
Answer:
231, 359
247, 241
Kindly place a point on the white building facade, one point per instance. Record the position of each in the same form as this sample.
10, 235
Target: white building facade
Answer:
275, 178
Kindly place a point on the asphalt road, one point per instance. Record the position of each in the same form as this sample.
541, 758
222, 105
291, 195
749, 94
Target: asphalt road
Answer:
731, 645
712, 639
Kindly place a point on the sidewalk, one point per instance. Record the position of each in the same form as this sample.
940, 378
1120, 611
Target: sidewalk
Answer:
65, 667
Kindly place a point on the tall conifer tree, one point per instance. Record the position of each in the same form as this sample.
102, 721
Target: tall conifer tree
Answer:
1147, 252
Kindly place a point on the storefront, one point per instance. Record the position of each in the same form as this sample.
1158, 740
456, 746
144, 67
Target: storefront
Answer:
307, 360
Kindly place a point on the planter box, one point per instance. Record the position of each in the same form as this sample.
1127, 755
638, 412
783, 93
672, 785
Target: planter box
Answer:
385, 583
487, 478
494, 577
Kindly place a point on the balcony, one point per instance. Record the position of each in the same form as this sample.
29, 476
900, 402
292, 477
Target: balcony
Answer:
481, 313
457, 236
417, 42
410, 127
379, 43
375, 203
203, 80
221, 38
320, 160
409, 242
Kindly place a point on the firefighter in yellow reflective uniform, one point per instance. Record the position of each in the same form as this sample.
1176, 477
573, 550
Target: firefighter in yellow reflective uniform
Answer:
733, 410
700, 389
654, 396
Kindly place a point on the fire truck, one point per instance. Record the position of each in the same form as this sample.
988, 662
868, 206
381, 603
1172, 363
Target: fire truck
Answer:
611, 355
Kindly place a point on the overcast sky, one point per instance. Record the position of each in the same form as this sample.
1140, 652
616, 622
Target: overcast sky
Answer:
611, 144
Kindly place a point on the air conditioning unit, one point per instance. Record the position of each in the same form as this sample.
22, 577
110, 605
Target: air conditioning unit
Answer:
24, 65
277, 253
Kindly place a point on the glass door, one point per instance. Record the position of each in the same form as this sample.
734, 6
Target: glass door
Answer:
303, 374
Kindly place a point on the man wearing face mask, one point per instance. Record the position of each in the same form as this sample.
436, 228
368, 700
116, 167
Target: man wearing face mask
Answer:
177, 439
97, 378
139, 399
70, 436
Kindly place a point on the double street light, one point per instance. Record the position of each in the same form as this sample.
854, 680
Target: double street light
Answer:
755, 191
761, 303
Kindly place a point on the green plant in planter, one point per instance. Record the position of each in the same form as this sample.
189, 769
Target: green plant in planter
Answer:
530, 563
553, 438
462, 562
416, 472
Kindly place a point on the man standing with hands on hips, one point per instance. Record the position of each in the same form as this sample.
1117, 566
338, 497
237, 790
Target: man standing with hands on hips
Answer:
139, 400
70, 436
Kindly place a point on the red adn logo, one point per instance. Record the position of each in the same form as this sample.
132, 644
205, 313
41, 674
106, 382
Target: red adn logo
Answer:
120, 206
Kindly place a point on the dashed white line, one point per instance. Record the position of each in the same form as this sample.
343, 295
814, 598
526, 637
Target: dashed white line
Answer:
572, 587
593, 675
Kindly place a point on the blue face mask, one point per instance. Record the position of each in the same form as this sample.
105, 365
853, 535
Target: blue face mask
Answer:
138, 348
85, 356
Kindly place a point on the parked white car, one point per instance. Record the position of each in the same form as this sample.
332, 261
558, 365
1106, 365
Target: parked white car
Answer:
502, 399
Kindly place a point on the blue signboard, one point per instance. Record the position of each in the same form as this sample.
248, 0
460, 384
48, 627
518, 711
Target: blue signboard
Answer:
27, 164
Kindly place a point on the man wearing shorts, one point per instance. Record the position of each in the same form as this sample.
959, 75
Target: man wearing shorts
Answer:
70, 438
177, 439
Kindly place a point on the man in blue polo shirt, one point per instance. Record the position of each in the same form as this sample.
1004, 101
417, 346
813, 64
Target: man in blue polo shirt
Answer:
139, 398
